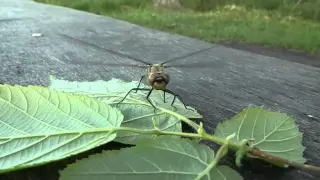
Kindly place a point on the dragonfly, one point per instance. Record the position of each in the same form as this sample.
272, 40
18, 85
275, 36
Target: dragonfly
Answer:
155, 75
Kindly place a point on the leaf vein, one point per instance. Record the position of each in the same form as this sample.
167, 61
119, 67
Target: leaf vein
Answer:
254, 124
54, 148
98, 112
284, 139
280, 151
25, 98
60, 110
287, 129
140, 117
8, 125
22, 148
6, 141
274, 130
129, 166
24, 112
221, 174
239, 129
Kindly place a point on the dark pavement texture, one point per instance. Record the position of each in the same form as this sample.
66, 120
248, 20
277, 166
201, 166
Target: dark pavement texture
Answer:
231, 79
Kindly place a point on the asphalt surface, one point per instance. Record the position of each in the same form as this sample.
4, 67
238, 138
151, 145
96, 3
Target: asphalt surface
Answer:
229, 80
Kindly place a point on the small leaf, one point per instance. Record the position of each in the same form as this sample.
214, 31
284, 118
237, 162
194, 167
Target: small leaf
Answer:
159, 158
116, 87
271, 132
137, 111
39, 125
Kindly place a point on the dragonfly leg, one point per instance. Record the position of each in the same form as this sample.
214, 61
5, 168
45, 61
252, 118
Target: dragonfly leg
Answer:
174, 98
141, 89
154, 108
125, 96
140, 82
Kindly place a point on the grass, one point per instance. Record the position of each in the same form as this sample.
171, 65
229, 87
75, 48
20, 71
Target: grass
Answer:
273, 24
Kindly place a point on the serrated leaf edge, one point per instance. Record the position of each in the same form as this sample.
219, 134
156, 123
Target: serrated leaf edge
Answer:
144, 142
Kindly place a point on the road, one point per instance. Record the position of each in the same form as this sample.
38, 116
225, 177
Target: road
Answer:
231, 79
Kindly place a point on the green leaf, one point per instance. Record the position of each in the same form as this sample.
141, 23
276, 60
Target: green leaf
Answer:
137, 111
39, 125
272, 132
159, 158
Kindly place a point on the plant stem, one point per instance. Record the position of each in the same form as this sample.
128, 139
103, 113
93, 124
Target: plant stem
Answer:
223, 150
203, 136
275, 159
235, 146
182, 118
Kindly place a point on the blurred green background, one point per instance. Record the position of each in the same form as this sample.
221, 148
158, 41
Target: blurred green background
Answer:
290, 24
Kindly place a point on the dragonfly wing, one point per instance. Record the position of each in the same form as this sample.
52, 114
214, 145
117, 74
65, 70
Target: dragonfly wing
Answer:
193, 65
191, 54
104, 49
102, 64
